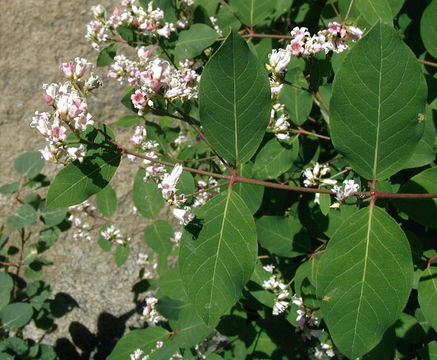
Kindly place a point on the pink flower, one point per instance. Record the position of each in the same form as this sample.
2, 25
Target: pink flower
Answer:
184, 215
139, 99
296, 47
81, 67
112, 74
68, 69
77, 107
334, 28
58, 133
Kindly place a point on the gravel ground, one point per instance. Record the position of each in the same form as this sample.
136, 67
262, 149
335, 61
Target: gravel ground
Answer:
36, 36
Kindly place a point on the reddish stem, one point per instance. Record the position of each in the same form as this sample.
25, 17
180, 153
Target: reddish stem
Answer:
426, 62
430, 260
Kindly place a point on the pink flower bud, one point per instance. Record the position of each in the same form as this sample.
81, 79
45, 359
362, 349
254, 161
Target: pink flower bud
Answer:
68, 69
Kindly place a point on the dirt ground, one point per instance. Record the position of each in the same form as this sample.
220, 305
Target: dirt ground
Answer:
35, 37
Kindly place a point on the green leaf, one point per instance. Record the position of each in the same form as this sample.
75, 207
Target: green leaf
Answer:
175, 306
29, 164
52, 217
275, 158
298, 102
424, 211
158, 235
428, 28
107, 55
107, 201
234, 98
364, 279
6, 286
396, 6
25, 215
424, 153
429, 352
283, 236
252, 195
194, 40
227, 21
216, 264
16, 315
325, 203
122, 254
377, 97
252, 12
9, 189
144, 339
129, 120
427, 294
77, 181
147, 197
375, 10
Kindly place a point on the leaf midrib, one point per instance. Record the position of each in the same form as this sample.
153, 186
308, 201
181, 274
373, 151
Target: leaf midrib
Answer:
363, 280
375, 160
222, 226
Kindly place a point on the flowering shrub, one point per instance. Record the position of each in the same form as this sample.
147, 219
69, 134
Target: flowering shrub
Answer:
302, 168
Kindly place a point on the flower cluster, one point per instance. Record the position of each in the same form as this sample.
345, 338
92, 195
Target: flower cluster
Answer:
70, 111
279, 122
112, 234
147, 21
313, 176
80, 227
334, 39
138, 353
342, 193
275, 284
139, 139
150, 314
154, 77
206, 190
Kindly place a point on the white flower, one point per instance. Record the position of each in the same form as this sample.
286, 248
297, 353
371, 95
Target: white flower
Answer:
169, 181
184, 215
279, 60
350, 187
279, 307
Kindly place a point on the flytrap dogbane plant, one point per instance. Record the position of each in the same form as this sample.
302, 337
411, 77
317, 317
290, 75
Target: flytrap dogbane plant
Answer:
343, 114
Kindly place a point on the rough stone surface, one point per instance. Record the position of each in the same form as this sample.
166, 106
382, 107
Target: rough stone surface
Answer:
36, 36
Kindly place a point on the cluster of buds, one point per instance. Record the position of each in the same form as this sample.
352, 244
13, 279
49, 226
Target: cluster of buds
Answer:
186, 14
279, 122
204, 192
275, 284
153, 76
313, 176
149, 22
138, 354
176, 239
342, 193
70, 111
80, 227
139, 139
306, 317
150, 314
112, 234
322, 350
332, 39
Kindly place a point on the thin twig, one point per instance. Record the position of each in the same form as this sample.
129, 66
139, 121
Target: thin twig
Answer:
348, 12
309, 133
430, 260
335, 10
426, 62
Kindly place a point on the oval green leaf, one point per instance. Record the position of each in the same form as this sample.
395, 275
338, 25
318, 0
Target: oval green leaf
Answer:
29, 164
25, 215
78, 181
107, 55
427, 294
283, 236
16, 315
375, 10
424, 211
121, 254
106, 200
147, 197
216, 264
252, 12
378, 96
6, 286
428, 28
158, 235
275, 158
194, 40
234, 100
298, 103
364, 279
